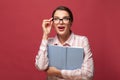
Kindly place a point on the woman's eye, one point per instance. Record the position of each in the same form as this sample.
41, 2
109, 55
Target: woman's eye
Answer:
56, 18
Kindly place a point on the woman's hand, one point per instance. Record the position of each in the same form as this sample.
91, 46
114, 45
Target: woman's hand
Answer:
47, 26
52, 71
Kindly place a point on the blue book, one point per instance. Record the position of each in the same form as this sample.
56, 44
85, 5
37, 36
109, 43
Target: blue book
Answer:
68, 58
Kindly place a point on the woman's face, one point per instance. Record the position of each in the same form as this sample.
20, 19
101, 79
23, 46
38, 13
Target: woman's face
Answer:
61, 22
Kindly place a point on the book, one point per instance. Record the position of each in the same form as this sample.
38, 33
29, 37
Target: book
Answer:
68, 58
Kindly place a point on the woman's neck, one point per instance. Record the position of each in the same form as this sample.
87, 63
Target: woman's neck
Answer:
64, 38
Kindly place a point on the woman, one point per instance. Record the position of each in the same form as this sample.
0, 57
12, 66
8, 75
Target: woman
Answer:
61, 21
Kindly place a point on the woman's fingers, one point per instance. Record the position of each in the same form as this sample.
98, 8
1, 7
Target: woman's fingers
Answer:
47, 22
47, 25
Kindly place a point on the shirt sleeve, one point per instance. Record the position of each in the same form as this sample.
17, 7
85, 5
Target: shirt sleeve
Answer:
86, 71
41, 60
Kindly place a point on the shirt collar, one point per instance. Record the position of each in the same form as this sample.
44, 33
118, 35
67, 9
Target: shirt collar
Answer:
69, 42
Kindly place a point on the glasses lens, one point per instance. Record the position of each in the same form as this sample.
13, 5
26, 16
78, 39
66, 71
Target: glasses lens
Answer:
56, 20
64, 20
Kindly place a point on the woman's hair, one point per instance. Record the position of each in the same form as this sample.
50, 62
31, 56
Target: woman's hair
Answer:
64, 9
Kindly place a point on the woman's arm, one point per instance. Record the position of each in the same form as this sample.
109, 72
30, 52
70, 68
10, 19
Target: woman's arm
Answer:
41, 58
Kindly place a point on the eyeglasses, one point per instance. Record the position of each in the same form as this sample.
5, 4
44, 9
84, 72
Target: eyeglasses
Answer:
64, 20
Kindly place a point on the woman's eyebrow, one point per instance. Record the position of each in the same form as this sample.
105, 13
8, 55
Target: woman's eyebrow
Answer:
59, 17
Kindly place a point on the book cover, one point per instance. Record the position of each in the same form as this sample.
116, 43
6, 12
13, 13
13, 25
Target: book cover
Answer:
68, 58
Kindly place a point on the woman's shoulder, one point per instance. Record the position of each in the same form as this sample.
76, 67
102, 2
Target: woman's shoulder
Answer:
82, 37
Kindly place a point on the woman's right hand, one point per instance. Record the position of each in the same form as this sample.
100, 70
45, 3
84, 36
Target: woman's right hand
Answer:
47, 26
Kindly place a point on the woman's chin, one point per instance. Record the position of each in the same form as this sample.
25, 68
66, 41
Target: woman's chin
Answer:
61, 33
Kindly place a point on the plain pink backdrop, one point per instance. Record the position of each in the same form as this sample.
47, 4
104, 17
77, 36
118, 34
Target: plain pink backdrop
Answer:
21, 33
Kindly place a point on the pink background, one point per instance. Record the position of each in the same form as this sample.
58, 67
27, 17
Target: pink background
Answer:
21, 33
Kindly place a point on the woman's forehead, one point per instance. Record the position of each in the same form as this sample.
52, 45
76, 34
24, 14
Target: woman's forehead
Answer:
61, 13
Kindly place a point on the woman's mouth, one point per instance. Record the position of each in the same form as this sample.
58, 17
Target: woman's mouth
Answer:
61, 28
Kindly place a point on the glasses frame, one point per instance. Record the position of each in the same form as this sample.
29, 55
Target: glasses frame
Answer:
57, 20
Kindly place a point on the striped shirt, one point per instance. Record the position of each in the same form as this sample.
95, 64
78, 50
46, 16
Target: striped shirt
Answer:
84, 73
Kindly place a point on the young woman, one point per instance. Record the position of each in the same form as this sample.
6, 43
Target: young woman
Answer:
61, 21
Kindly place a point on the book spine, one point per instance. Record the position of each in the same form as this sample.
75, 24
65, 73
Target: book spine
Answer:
66, 58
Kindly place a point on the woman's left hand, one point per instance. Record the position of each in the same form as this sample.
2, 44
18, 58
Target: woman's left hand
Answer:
52, 71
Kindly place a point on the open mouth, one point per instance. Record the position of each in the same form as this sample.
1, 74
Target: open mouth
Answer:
61, 28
